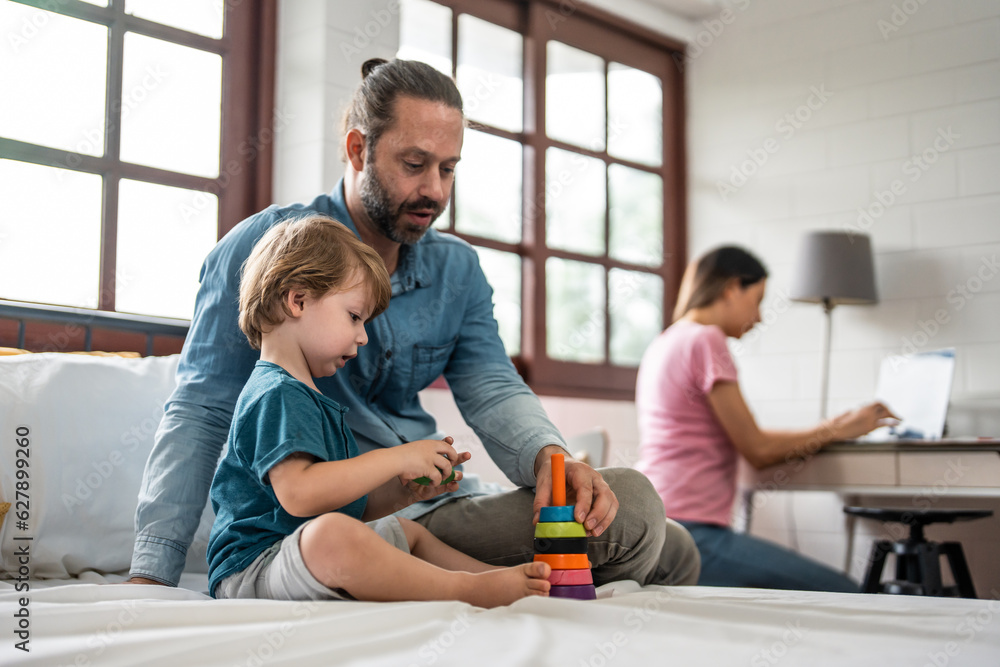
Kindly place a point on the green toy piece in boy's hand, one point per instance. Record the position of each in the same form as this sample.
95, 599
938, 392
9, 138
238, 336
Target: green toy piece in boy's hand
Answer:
425, 481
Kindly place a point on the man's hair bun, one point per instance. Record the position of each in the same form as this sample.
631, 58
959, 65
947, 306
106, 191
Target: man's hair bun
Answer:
369, 66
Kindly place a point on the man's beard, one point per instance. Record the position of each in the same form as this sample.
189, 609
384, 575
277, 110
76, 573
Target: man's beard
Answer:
386, 217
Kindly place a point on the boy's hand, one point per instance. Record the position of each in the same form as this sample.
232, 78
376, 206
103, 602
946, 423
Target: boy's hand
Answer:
432, 459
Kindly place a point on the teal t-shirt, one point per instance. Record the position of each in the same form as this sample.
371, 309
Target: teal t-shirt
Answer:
276, 415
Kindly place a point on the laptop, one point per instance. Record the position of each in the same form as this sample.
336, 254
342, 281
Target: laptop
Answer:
917, 388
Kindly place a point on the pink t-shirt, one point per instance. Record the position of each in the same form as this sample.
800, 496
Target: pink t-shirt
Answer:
683, 448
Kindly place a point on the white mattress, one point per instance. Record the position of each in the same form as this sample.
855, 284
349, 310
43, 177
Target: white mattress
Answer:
80, 623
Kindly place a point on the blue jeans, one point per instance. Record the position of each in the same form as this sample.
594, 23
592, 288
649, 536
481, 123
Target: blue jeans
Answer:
735, 559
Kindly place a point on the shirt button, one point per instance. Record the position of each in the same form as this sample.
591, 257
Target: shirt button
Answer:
388, 354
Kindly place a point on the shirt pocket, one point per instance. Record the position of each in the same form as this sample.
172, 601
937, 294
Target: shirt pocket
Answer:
429, 362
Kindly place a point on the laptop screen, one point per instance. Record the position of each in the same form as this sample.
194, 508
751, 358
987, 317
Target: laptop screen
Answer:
916, 387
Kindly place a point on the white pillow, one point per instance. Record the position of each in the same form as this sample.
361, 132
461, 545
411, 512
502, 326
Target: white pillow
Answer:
89, 423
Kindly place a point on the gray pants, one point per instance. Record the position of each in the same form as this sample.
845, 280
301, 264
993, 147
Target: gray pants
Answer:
640, 544
280, 573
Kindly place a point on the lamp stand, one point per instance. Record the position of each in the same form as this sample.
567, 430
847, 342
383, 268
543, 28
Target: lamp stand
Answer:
824, 389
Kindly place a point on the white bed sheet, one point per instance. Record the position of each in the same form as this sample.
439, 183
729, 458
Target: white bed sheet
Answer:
85, 623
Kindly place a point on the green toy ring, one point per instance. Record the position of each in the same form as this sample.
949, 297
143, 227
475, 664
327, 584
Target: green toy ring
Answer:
426, 481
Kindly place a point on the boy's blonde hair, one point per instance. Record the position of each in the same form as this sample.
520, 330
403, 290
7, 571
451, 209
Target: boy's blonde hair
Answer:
315, 254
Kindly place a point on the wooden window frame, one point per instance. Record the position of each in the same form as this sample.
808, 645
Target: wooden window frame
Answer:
243, 186
613, 38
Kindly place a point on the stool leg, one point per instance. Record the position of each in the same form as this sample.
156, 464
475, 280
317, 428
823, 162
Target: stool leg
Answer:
929, 565
904, 569
879, 550
959, 569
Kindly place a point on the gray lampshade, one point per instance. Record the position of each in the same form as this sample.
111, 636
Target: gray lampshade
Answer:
834, 267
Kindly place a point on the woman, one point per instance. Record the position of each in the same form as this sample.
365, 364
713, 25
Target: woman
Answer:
694, 424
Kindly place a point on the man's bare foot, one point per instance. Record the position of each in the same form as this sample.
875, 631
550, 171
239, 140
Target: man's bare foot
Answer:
496, 588
143, 580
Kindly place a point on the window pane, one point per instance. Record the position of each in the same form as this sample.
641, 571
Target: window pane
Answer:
636, 199
164, 234
574, 202
574, 96
489, 73
53, 79
574, 313
99, 3
171, 106
50, 235
488, 187
204, 18
503, 271
443, 222
635, 104
636, 310
425, 33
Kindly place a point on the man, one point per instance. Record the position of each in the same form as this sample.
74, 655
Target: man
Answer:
403, 139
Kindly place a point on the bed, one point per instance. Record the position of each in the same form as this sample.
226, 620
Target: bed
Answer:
83, 426
90, 624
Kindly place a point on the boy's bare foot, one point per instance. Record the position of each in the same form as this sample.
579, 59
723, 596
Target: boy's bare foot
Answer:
496, 588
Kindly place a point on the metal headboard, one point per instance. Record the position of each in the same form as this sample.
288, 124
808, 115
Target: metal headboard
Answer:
90, 319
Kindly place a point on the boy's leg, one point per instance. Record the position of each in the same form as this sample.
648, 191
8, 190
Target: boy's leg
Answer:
425, 546
640, 544
344, 553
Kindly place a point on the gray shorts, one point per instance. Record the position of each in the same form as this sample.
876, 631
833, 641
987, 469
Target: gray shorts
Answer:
279, 573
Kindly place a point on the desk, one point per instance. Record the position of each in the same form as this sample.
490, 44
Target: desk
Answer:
942, 467
925, 470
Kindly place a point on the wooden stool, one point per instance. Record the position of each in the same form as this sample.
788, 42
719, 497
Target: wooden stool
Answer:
918, 562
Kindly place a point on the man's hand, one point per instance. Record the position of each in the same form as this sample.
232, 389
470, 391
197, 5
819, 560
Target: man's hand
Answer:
595, 503
143, 580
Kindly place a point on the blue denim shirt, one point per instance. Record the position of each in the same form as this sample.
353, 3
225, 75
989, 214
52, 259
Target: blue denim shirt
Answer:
439, 321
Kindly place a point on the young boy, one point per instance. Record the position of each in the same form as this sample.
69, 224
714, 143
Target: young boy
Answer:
292, 492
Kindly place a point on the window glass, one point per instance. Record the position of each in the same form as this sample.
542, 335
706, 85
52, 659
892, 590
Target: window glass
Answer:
488, 188
50, 235
574, 202
198, 16
489, 73
636, 313
574, 97
636, 206
164, 234
574, 313
53, 79
503, 271
425, 33
635, 109
171, 106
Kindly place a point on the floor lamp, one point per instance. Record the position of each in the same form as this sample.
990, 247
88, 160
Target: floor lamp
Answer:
833, 268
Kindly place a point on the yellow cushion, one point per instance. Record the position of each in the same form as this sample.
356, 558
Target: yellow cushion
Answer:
9, 351
126, 355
